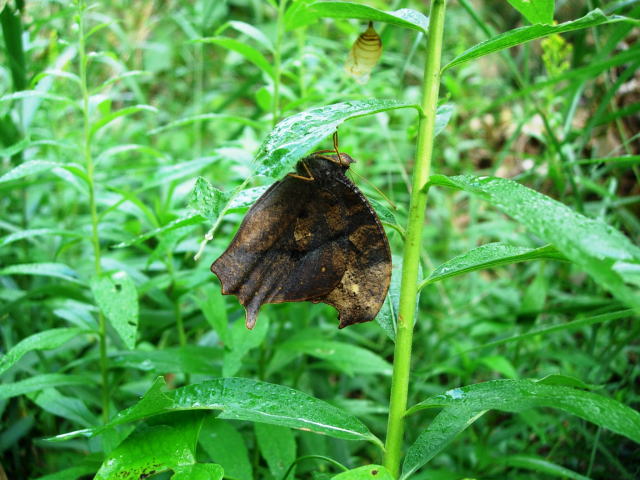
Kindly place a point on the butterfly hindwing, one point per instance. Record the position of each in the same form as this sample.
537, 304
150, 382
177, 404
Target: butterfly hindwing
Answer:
362, 290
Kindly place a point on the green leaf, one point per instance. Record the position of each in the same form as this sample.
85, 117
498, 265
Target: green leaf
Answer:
489, 256
117, 298
206, 116
110, 117
16, 148
33, 167
126, 148
245, 399
540, 465
186, 221
594, 246
29, 234
250, 31
28, 168
536, 11
443, 116
405, 17
199, 471
526, 34
297, 135
580, 322
73, 409
34, 94
629, 271
242, 341
368, 472
84, 468
564, 380
249, 53
40, 382
247, 197
207, 200
118, 78
12, 33
154, 402
150, 450
250, 400
211, 302
387, 318
350, 359
224, 445
278, 448
463, 406
190, 359
384, 213
500, 364
179, 170
47, 340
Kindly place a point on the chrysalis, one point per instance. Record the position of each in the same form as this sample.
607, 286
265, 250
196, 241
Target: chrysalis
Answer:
364, 55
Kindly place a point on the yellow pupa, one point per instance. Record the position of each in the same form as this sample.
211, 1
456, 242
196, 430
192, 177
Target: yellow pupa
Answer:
364, 55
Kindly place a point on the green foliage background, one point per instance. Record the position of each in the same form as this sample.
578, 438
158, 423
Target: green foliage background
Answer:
177, 90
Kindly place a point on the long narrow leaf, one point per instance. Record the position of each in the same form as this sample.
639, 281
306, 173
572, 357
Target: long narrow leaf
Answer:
251, 54
463, 406
489, 256
57, 270
245, 399
405, 17
40, 382
600, 250
297, 135
46, 340
526, 34
188, 220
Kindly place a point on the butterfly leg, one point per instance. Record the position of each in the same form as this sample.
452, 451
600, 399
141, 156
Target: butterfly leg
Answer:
310, 178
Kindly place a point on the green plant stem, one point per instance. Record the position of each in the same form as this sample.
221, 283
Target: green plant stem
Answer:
95, 238
413, 243
314, 457
198, 71
277, 61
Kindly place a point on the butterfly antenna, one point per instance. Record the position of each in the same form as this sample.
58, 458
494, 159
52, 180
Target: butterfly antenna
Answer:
393, 205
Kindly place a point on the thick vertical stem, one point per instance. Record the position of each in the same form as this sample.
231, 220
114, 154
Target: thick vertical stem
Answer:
95, 238
411, 258
277, 62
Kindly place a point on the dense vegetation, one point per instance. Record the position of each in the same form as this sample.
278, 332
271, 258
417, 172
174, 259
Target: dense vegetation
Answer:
130, 138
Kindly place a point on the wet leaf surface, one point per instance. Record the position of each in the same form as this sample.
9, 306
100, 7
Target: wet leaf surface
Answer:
297, 135
244, 399
463, 406
116, 296
589, 243
489, 256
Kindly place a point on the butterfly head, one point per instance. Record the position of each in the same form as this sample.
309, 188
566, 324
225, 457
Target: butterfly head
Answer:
329, 156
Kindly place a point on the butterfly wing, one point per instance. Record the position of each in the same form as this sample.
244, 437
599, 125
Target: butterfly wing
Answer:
290, 247
361, 292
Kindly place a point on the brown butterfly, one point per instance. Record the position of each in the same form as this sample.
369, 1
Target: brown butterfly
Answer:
312, 236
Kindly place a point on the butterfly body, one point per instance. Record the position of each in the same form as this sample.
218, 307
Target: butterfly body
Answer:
311, 237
